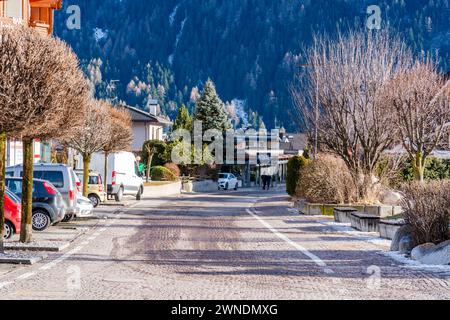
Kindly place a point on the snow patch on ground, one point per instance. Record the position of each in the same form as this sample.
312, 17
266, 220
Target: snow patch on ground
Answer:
416, 265
372, 237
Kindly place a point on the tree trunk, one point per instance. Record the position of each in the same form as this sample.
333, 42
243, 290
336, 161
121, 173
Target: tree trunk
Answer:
2, 187
105, 178
27, 191
86, 162
149, 165
419, 167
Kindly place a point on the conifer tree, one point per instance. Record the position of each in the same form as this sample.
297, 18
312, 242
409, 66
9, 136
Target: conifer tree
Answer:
211, 110
183, 120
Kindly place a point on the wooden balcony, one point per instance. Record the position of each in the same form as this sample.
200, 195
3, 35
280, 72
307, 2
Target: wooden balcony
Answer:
41, 27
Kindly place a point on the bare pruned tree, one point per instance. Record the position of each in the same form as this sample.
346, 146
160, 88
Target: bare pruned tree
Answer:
339, 96
120, 137
93, 136
43, 94
419, 98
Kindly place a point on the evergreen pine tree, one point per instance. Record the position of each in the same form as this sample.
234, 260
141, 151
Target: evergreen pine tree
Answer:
211, 110
183, 120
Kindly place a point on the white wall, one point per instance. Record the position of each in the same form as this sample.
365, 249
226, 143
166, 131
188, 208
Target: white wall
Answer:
139, 135
143, 132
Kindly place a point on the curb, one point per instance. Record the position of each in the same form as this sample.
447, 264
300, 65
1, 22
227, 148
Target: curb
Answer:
38, 248
16, 260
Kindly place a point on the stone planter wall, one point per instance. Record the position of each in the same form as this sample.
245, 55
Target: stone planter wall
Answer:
169, 189
388, 228
200, 186
328, 209
365, 222
343, 215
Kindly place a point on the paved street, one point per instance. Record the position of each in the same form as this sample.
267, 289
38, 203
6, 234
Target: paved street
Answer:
234, 245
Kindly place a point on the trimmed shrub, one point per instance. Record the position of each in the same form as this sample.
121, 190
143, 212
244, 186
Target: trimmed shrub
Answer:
427, 210
173, 167
159, 173
326, 180
293, 173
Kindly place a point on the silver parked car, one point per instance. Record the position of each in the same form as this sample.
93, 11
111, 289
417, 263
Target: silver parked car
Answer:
61, 176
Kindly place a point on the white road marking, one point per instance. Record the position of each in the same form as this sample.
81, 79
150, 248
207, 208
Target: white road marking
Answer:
60, 259
300, 248
26, 275
102, 230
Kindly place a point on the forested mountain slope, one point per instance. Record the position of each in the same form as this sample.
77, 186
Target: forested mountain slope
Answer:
162, 49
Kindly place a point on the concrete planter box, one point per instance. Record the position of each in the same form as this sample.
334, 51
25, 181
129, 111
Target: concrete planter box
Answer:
397, 210
380, 211
310, 209
388, 228
343, 214
365, 222
200, 186
169, 189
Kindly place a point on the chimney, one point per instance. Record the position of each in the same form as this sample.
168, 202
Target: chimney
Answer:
153, 107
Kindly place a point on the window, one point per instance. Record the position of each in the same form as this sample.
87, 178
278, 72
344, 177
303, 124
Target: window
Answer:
94, 180
55, 177
15, 186
13, 8
12, 196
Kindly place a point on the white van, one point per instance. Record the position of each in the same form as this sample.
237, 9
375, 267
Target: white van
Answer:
123, 177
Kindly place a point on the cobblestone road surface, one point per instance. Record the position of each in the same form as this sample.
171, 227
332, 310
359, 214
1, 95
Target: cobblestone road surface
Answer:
234, 245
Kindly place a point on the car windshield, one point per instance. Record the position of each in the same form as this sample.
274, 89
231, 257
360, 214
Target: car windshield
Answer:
55, 177
223, 176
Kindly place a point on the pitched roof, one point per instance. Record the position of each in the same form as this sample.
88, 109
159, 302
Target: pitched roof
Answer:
138, 115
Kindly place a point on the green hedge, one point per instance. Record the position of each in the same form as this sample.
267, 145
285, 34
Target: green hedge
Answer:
293, 173
435, 169
159, 173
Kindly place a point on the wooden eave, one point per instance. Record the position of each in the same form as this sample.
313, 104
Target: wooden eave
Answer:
52, 4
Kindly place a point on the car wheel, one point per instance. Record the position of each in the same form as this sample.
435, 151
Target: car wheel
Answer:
40, 220
9, 230
226, 186
119, 195
139, 194
94, 199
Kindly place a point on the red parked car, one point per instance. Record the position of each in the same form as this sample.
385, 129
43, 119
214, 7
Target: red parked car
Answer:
12, 214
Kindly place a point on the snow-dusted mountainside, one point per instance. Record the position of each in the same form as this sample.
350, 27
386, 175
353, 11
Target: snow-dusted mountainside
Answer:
248, 47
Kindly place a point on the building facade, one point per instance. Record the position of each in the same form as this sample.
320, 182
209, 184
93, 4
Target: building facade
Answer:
145, 127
